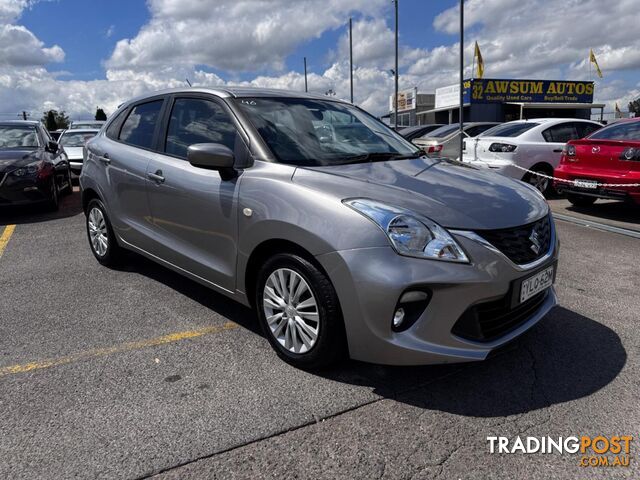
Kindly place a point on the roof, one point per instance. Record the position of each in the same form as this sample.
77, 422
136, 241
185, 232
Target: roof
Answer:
20, 122
238, 92
557, 105
80, 130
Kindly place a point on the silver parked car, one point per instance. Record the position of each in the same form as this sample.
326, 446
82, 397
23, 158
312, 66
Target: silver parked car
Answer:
445, 141
341, 235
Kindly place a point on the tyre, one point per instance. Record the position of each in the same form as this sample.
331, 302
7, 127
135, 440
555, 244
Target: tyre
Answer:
102, 241
53, 204
580, 200
299, 312
543, 184
69, 189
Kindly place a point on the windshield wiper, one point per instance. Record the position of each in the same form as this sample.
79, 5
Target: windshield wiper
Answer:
381, 157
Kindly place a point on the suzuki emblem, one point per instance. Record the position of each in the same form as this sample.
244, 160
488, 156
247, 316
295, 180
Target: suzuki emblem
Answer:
535, 241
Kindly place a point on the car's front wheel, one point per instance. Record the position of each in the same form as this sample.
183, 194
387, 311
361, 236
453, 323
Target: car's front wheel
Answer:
580, 200
299, 312
102, 241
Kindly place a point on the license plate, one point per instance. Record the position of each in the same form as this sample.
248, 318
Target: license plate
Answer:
536, 283
585, 183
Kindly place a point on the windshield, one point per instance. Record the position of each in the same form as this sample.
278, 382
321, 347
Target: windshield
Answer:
509, 129
18, 136
311, 132
443, 131
76, 139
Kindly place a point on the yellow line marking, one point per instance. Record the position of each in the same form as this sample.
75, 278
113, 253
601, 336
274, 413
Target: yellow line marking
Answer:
6, 235
125, 347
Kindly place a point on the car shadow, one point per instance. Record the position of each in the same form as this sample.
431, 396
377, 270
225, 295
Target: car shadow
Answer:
70, 206
617, 211
565, 357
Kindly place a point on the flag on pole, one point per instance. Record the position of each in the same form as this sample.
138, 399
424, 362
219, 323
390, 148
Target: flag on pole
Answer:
480, 65
592, 59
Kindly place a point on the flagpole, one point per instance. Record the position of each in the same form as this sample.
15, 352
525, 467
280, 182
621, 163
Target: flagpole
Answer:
473, 65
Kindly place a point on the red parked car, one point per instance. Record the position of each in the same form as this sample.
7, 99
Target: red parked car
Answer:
610, 155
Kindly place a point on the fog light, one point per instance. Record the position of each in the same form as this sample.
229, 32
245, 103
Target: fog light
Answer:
398, 317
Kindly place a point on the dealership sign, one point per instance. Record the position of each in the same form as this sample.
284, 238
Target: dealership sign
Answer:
489, 90
407, 100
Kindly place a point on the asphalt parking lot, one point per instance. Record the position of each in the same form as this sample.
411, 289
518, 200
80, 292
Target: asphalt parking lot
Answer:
139, 372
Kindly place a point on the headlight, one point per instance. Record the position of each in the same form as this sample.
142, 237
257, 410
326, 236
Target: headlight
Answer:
502, 147
30, 169
410, 234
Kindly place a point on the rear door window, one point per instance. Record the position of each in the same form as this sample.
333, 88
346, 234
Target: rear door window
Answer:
140, 125
586, 129
561, 133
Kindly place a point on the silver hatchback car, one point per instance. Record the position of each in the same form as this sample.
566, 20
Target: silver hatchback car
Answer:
342, 236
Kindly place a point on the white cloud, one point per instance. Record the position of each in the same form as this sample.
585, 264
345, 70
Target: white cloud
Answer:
230, 35
535, 39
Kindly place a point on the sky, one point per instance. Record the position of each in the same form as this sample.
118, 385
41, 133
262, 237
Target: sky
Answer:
76, 55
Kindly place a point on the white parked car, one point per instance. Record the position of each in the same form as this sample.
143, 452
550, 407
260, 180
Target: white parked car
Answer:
73, 142
535, 145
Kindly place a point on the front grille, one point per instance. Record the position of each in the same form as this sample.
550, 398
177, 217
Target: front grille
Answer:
524, 244
490, 320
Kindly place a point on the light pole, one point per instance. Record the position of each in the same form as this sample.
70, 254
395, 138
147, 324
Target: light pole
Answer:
461, 114
351, 57
305, 74
395, 98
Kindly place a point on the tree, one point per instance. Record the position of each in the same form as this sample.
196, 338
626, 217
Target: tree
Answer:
50, 120
100, 115
634, 106
55, 120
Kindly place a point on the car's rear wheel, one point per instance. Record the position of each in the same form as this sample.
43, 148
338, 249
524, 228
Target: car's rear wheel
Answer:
299, 312
580, 200
538, 178
101, 238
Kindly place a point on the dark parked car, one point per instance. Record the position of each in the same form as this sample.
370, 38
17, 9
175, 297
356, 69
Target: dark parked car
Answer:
33, 168
418, 131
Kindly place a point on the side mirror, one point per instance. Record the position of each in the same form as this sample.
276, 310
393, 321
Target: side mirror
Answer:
212, 156
53, 147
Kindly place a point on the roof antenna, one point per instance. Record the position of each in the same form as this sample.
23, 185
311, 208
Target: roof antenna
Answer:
188, 82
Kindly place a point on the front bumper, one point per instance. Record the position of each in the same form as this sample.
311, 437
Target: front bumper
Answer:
370, 281
24, 190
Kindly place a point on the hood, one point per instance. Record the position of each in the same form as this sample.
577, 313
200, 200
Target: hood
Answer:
15, 158
74, 153
450, 193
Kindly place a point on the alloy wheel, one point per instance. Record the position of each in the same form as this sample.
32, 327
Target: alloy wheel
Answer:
539, 182
98, 232
291, 310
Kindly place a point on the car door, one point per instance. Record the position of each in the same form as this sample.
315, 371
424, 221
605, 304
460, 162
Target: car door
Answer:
122, 156
555, 138
194, 209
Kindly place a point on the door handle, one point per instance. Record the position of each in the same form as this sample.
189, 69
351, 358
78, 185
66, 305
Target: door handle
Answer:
104, 158
156, 177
